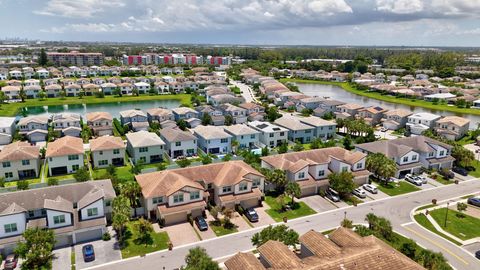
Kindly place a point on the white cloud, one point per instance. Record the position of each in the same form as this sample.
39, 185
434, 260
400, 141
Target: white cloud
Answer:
78, 9
400, 6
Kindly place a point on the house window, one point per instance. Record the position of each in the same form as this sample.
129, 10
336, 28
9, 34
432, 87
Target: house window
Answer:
157, 200
321, 173
75, 167
92, 212
442, 153
59, 219
359, 165
224, 140
101, 152
308, 131
44, 212
102, 162
271, 135
25, 162
256, 182
72, 157
405, 159
190, 151
143, 149
414, 158
116, 151
6, 164
31, 213
344, 169
431, 154
178, 198
282, 133
8, 175
9, 228
301, 175
226, 189
178, 143
194, 195
252, 136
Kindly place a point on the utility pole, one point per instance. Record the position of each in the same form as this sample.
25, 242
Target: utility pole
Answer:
446, 215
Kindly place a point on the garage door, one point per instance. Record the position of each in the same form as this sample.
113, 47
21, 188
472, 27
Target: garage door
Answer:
249, 203
309, 191
63, 241
197, 213
59, 170
88, 235
176, 218
402, 174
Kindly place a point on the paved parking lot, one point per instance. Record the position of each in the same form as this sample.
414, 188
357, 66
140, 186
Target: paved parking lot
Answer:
318, 203
181, 234
61, 259
105, 251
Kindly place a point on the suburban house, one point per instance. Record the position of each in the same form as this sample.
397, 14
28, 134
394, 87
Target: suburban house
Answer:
372, 115
179, 143
67, 123
72, 90
20, 160
244, 135
75, 212
310, 169
452, 127
142, 87
53, 90
270, 135
213, 140
107, 150
12, 92
145, 146
125, 88
215, 114
324, 129
396, 119
35, 128
238, 114
184, 113
347, 110
254, 111
159, 115
172, 195
108, 88
101, 123
419, 122
297, 131
327, 106
135, 119
65, 155
412, 153
343, 249
7, 129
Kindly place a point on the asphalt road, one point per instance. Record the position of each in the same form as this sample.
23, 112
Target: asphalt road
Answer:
247, 92
396, 209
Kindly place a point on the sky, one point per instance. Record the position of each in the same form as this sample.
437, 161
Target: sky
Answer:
256, 22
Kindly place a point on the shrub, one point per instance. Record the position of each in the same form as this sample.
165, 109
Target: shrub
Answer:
52, 181
22, 185
190, 219
118, 126
106, 236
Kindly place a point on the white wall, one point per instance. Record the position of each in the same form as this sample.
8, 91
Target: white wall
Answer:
19, 219
106, 155
52, 213
186, 196
98, 204
54, 162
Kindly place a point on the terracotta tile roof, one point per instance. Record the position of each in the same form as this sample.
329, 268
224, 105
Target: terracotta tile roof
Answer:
19, 151
456, 120
106, 143
319, 245
132, 113
98, 116
345, 238
67, 145
237, 198
244, 261
399, 112
279, 256
351, 106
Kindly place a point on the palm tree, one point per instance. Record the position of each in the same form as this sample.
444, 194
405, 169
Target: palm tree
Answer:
132, 191
372, 220
293, 189
120, 214
22, 95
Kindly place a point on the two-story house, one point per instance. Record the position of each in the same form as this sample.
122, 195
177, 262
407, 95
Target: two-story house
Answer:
179, 143
172, 195
75, 212
452, 127
101, 123
372, 115
184, 113
419, 122
142, 87
159, 115
396, 119
244, 135
107, 150
7, 129
216, 115
412, 153
213, 139
145, 146
65, 155
255, 112
238, 114
348, 110
136, 119
19, 160
327, 106
270, 135
35, 128
310, 169
67, 123
297, 131
323, 129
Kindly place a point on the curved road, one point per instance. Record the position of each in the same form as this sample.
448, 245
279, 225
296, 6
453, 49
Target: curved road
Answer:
397, 209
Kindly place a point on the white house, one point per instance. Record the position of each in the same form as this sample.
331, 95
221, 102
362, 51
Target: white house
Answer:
213, 140
136, 119
64, 155
67, 123
270, 135
101, 123
7, 129
145, 146
142, 87
244, 135
419, 122
19, 160
179, 143
107, 150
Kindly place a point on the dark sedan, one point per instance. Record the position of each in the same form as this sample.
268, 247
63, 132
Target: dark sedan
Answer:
474, 201
251, 214
201, 223
88, 253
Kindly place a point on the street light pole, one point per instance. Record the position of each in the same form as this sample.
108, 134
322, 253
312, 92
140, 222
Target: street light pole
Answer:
446, 215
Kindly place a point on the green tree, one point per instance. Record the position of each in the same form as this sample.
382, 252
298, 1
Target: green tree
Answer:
36, 249
409, 248
182, 124
347, 143
22, 95
42, 95
42, 59
265, 151
279, 233
198, 259
22, 185
206, 159
138, 166
207, 119
342, 183
277, 177
293, 190
461, 207
432, 260
272, 113
62, 94
184, 162
381, 166
132, 191
298, 146
52, 182
120, 215
3, 97
346, 223
2, 181
316, 143
228, 120
82, 174
283, 148
463, 157
144, 229
112, 170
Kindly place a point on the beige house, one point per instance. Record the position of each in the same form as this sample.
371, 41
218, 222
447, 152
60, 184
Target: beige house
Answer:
19, 160
64, 155
159, 115
171, 195
101, 123
372, 115
107, 150
452, 127
396, 119
145, 146
347, 110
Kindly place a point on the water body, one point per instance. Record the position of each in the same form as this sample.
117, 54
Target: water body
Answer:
114, 108
338, 93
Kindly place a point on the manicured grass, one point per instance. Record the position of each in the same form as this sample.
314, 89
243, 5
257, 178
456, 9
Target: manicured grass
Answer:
300, 209
132, 247
12, 109
393, 189
476, 173
220, 230
422, 220
465, 228
388, 98
442, 180
425, 207
352, 200
123, 173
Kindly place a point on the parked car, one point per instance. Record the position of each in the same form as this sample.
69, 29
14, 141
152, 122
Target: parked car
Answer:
460, 170
422, 178
88, 253
332, 195
251, 214
447, 174
201, 223
477, 254
359, 193
412, 179
383, 129
11, 262
370, 188
474, 201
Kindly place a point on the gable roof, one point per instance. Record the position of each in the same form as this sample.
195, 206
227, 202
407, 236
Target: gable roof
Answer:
210, 132
39, 119
240, 129
456, 120
106, 143
98, 116
292, 123
278, 255
63, 146
132, 113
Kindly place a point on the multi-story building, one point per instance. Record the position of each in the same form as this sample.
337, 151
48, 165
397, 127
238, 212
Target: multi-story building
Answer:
396, 119
244, 135
419, 122
65, 155
179, 143
101, 123
67, 123
75, 58
452, 127
19, 160
213, 140
136, 119
145, 146
107, 150
297, 131
270, 135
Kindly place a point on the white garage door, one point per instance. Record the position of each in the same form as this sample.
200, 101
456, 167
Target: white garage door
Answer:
88, 235
63, 241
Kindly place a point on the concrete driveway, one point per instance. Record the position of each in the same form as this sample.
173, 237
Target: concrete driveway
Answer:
105, 251
379, 195
208, 234
181, 234
263, 217
318, 203
61, 259
241, 223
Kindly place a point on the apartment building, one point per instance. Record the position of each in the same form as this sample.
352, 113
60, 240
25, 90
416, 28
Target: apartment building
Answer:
75, 58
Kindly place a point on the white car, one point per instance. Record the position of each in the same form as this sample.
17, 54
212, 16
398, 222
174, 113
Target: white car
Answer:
413, 179
370, 188
383, 129
359, 193
422, 178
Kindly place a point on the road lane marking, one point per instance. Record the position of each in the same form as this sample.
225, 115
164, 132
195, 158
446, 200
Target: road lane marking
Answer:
407, 223
438, 245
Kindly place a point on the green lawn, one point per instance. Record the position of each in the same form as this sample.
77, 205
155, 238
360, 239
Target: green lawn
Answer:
476, 172
132, 248
12, 109
123, 173
393, 189
442, 180
388, 98
464, 228
300, 209
422, 220
352, 200
220, 230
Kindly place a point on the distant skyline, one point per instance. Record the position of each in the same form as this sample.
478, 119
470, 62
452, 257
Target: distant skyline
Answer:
277, 22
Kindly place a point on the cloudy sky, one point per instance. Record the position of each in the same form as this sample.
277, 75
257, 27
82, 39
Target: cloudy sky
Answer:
289, 22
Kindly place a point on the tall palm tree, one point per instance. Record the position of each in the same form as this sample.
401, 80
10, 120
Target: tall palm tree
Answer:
372, 220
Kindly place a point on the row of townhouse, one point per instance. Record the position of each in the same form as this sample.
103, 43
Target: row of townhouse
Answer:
334, 76
35, 128
75, 212
175, 59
